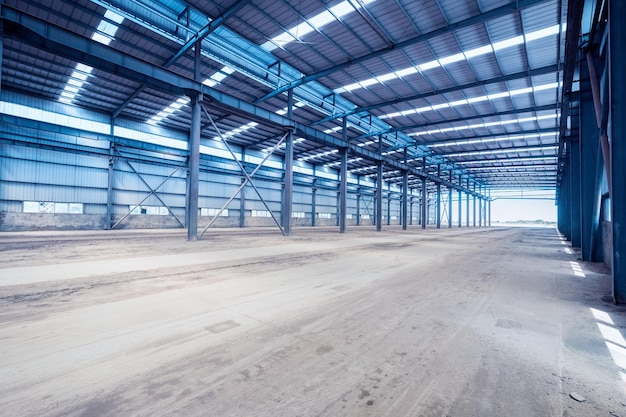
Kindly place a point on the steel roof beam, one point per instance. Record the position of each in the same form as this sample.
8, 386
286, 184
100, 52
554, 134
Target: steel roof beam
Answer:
483, 17
523, 74
201, 34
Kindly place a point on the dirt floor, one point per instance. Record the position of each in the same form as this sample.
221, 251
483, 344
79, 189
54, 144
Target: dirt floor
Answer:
454, 322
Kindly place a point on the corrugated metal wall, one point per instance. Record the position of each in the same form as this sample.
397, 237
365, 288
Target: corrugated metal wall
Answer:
42, 161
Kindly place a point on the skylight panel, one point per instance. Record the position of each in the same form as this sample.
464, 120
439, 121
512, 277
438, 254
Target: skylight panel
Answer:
236, 131
452, 59
313, 23
542, 33
466, 55
428, 65
383, 78
500, 151
106, 30
166, 112
483, 50
75, 83
218, 77
472, 100
322, 19
487, 124
507, 43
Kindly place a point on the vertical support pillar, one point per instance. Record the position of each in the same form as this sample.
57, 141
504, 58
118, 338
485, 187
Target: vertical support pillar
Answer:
489, 207
460, 201
405, 192
379, 187
590, 166
467, 206
343, 187
358, 207
313, 208
287, 202
438, 209
242, 205
617, 63
110, 179
194, 168
474, 207
480, 207
424, 195
388, 208
450, 203
411, 209
194, 151
575, 179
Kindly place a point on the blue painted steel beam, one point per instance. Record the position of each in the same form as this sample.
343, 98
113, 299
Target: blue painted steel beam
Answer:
474, 20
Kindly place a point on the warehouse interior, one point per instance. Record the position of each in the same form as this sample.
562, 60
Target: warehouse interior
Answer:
284, 207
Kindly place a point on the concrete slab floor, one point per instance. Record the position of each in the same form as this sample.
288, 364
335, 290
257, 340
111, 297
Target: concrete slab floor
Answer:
450, 322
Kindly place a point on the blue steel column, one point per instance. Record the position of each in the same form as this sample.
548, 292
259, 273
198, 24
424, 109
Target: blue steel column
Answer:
109, 220
438, 211
343, 188
287, 202
480, 208
405, 192
450, 203
379, 188
424, 195
460, 201
576, 183
590, 166
489, 207
358, 206
313, 208
617, 63
474, 207
194, 153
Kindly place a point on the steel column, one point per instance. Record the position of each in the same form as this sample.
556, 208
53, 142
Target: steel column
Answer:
576, 184
405, 193
313, 208
358, 207
109, 220
467, 206
480, 209
379, 187
424, 195
288, 206
450, 204
617, 92
489, 207
474, 208
589, 152
460, 201
194, 167
438, 209
343, 188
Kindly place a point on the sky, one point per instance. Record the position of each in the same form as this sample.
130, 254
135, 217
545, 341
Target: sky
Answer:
521, 209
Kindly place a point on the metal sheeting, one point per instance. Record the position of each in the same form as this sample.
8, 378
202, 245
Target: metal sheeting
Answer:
154, 31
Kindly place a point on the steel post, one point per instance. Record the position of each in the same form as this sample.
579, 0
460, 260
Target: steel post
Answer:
617, 92
343, 187
379, 187
405, 193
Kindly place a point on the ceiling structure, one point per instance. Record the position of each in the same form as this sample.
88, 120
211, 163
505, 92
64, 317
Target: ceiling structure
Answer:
471, 89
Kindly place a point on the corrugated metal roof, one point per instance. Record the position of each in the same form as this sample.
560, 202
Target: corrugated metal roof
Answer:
155, 31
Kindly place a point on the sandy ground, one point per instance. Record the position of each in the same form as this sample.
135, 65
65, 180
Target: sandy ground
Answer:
451, 322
